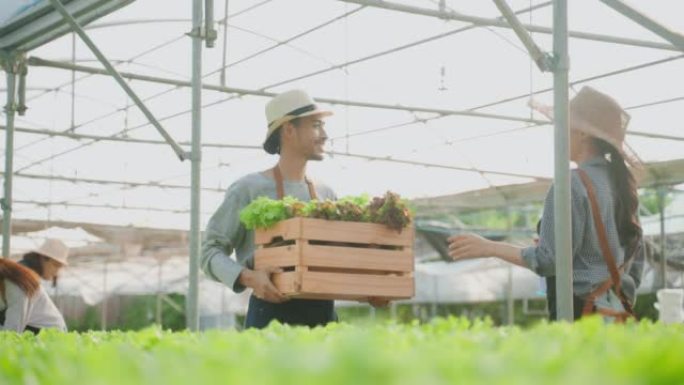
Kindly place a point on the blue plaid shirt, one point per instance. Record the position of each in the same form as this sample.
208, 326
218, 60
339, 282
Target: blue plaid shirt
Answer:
588, 265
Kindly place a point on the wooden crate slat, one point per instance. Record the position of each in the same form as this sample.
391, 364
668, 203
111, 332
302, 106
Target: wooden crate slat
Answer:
338, 271
281, 256
334, 231
289, 229
357, 258
288, 283
355, 232
332, 297
364, 285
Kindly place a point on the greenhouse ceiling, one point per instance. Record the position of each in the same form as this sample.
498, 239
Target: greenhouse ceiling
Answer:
426, 103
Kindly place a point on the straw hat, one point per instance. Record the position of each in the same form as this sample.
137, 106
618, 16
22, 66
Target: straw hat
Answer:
54, 249
286, 107
598, 115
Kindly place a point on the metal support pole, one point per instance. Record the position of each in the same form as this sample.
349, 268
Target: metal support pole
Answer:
21, 90
663, 244
103, 315
542, 59
633, 14
59, 302
115, 74
73, 83
561, 191
196, 159
435, 299
158, 317
225, 44
10, 109
209, 29
510, 302
221, 325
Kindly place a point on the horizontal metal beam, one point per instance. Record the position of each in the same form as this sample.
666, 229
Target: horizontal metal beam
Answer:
104, 206
38, 62
415, 43
655, 174
116, 139
448, 15
655, 103
434, 165
652, 25
76, 136
121, 183
581, 81
655, 136
220, 145
259, 148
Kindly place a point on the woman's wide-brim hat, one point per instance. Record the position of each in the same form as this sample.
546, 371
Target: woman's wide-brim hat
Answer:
54, 249
598, 115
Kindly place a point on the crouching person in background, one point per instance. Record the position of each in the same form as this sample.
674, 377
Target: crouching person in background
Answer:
24, 304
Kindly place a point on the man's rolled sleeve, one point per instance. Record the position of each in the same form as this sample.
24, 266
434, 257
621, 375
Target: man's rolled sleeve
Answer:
223, 234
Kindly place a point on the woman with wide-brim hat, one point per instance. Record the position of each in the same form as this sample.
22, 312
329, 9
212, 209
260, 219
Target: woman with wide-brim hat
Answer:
606, 234
24, 303
48, 259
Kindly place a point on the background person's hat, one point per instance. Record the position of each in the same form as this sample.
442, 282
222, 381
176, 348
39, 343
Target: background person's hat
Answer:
54, 249
598, 115
285, 107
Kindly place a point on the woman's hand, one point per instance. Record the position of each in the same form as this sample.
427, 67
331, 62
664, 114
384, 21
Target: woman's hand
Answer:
469, 246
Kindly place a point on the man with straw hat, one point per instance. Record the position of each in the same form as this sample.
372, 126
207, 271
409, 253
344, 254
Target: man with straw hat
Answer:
606, 234
295, 132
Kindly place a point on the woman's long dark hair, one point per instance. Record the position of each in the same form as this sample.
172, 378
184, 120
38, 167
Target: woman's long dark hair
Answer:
625, 196
35, 261
20, 275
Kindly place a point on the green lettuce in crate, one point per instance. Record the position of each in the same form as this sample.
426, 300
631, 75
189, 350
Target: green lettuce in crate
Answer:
389, 210
265, 212
354, 208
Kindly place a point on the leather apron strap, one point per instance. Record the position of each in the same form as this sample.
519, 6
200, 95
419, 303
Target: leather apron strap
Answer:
614, 280
280, 188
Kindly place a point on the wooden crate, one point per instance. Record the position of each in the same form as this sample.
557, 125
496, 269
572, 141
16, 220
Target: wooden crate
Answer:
337, 260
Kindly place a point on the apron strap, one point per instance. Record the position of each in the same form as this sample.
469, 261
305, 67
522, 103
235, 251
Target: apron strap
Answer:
280, 189
591, 298
3, 312
608, 256
2, 291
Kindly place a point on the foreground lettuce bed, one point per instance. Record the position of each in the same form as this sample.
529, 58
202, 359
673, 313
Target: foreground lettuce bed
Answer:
442, 352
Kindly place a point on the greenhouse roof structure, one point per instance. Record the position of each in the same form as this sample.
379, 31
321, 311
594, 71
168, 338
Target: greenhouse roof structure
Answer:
430, 96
